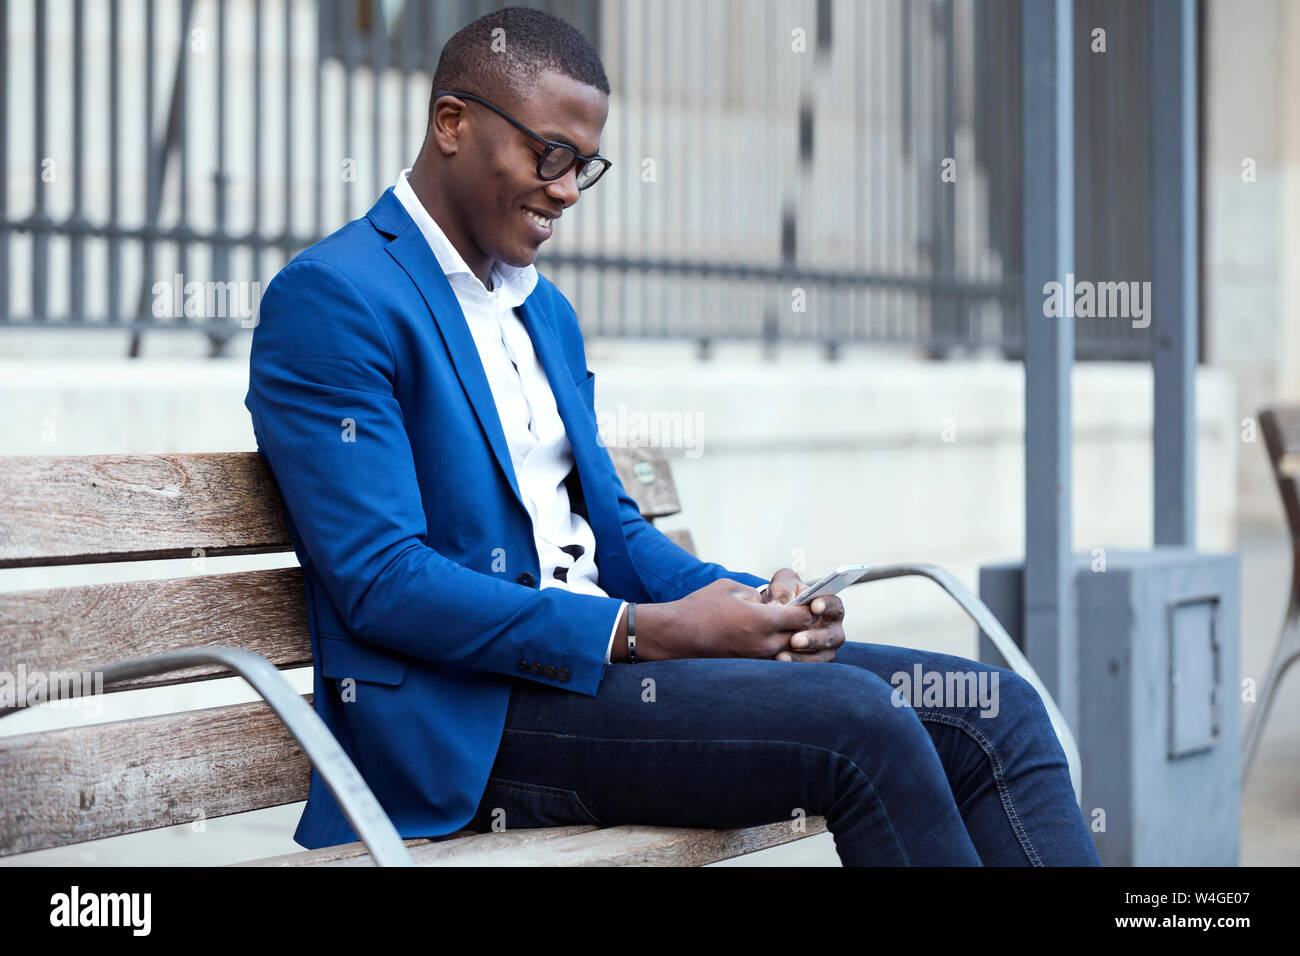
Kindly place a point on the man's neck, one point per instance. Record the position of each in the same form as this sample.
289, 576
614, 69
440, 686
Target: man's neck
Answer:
434, 202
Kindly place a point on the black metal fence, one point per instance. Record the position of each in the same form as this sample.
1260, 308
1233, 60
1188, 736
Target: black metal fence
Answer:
830, 171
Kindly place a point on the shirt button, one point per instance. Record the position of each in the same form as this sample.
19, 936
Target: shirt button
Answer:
526, 579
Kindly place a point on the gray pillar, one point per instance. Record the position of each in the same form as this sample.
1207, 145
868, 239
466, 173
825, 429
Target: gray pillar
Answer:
1174, 300
1048, 103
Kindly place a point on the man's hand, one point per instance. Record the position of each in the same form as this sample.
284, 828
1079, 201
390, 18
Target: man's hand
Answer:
721, 619
819, 640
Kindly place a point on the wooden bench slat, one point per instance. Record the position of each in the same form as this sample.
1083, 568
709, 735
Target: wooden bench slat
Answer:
83, 628
657, 497
571, 846
331, 854
610, 846
86, 783
62, 509
636, 846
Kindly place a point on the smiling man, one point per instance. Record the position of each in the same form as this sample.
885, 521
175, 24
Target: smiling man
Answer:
500, 639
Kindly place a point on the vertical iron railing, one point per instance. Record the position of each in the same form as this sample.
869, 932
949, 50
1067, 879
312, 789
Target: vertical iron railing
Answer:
779, 164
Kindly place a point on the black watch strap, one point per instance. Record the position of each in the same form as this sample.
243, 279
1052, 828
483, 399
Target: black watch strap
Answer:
631, 633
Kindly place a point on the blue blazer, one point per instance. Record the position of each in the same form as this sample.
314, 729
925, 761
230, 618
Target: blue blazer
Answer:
372, 410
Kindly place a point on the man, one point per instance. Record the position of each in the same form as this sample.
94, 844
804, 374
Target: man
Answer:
500, 638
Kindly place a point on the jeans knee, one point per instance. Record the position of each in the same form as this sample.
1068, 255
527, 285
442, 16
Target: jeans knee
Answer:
866, 714
1023, 715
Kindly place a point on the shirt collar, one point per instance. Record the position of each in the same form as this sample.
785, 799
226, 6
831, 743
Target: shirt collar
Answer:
510, 284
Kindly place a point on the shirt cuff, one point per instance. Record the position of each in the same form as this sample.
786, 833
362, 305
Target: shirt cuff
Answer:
614, 632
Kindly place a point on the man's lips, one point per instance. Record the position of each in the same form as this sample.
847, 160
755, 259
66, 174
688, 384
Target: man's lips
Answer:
548, 216
538, 221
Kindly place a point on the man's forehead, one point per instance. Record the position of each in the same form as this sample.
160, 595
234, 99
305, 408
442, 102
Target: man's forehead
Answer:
567, 111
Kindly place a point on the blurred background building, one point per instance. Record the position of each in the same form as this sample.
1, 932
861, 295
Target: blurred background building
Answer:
810, 245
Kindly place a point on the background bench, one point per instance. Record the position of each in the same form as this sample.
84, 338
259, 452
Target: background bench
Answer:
84, 783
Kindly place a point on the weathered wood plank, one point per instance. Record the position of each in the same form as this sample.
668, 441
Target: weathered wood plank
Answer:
65, 509
647, 478
355, 854
84, 628
333, 854
584, 846
617, 846
86, 783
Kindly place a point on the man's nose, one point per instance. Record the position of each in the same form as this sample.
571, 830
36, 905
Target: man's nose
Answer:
565, 189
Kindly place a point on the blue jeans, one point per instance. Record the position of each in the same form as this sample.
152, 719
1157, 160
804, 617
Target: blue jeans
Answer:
900, 779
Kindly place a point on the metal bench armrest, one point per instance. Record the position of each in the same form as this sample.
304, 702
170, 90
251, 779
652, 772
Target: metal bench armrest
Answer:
984, 619
344, 781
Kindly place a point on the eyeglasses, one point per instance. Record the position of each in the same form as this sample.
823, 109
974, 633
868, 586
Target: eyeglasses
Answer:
558, 158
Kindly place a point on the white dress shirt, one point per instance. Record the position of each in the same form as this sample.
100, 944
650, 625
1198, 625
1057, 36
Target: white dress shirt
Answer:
539, 448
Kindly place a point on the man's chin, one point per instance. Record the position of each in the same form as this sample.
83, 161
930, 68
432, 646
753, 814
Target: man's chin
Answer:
520, 258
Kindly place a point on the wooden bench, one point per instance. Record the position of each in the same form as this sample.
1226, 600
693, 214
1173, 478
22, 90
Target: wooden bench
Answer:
89, 782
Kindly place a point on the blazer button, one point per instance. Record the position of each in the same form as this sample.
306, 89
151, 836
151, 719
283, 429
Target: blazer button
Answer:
524, 665
564, 675
549, 671
526, 579
537, 668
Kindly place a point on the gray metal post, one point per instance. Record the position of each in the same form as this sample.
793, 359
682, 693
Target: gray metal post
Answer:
1174, 294
1048, 104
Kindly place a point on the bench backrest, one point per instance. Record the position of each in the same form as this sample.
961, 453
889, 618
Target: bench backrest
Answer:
89, 782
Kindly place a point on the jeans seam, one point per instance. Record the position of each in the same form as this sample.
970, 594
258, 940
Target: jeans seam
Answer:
898, 843
999, 777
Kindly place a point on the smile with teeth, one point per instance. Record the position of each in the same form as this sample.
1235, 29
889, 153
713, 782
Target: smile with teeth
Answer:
541, 221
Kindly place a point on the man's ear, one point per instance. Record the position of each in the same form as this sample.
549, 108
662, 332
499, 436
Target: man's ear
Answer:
445, 125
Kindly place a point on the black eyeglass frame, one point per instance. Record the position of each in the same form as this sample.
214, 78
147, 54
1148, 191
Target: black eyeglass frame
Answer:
551, 145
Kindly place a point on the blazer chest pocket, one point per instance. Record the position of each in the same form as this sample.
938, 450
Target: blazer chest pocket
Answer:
343, 658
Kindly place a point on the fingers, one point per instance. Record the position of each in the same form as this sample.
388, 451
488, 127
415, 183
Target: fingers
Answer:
828, 607
805, 657
785, 586
817, 638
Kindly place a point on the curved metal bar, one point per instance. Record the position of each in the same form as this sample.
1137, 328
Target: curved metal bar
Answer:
359, 805
978, 611
1285, 654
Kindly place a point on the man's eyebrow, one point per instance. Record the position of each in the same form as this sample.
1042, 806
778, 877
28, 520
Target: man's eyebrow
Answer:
559, 137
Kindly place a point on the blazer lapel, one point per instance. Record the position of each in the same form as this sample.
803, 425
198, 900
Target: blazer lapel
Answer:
413, 254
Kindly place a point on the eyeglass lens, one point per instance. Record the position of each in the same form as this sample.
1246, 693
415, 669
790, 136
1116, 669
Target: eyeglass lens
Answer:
558, 161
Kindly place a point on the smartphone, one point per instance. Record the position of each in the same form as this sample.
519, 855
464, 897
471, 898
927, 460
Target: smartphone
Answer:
832, 583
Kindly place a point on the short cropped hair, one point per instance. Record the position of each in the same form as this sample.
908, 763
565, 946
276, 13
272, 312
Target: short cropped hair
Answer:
504, 67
